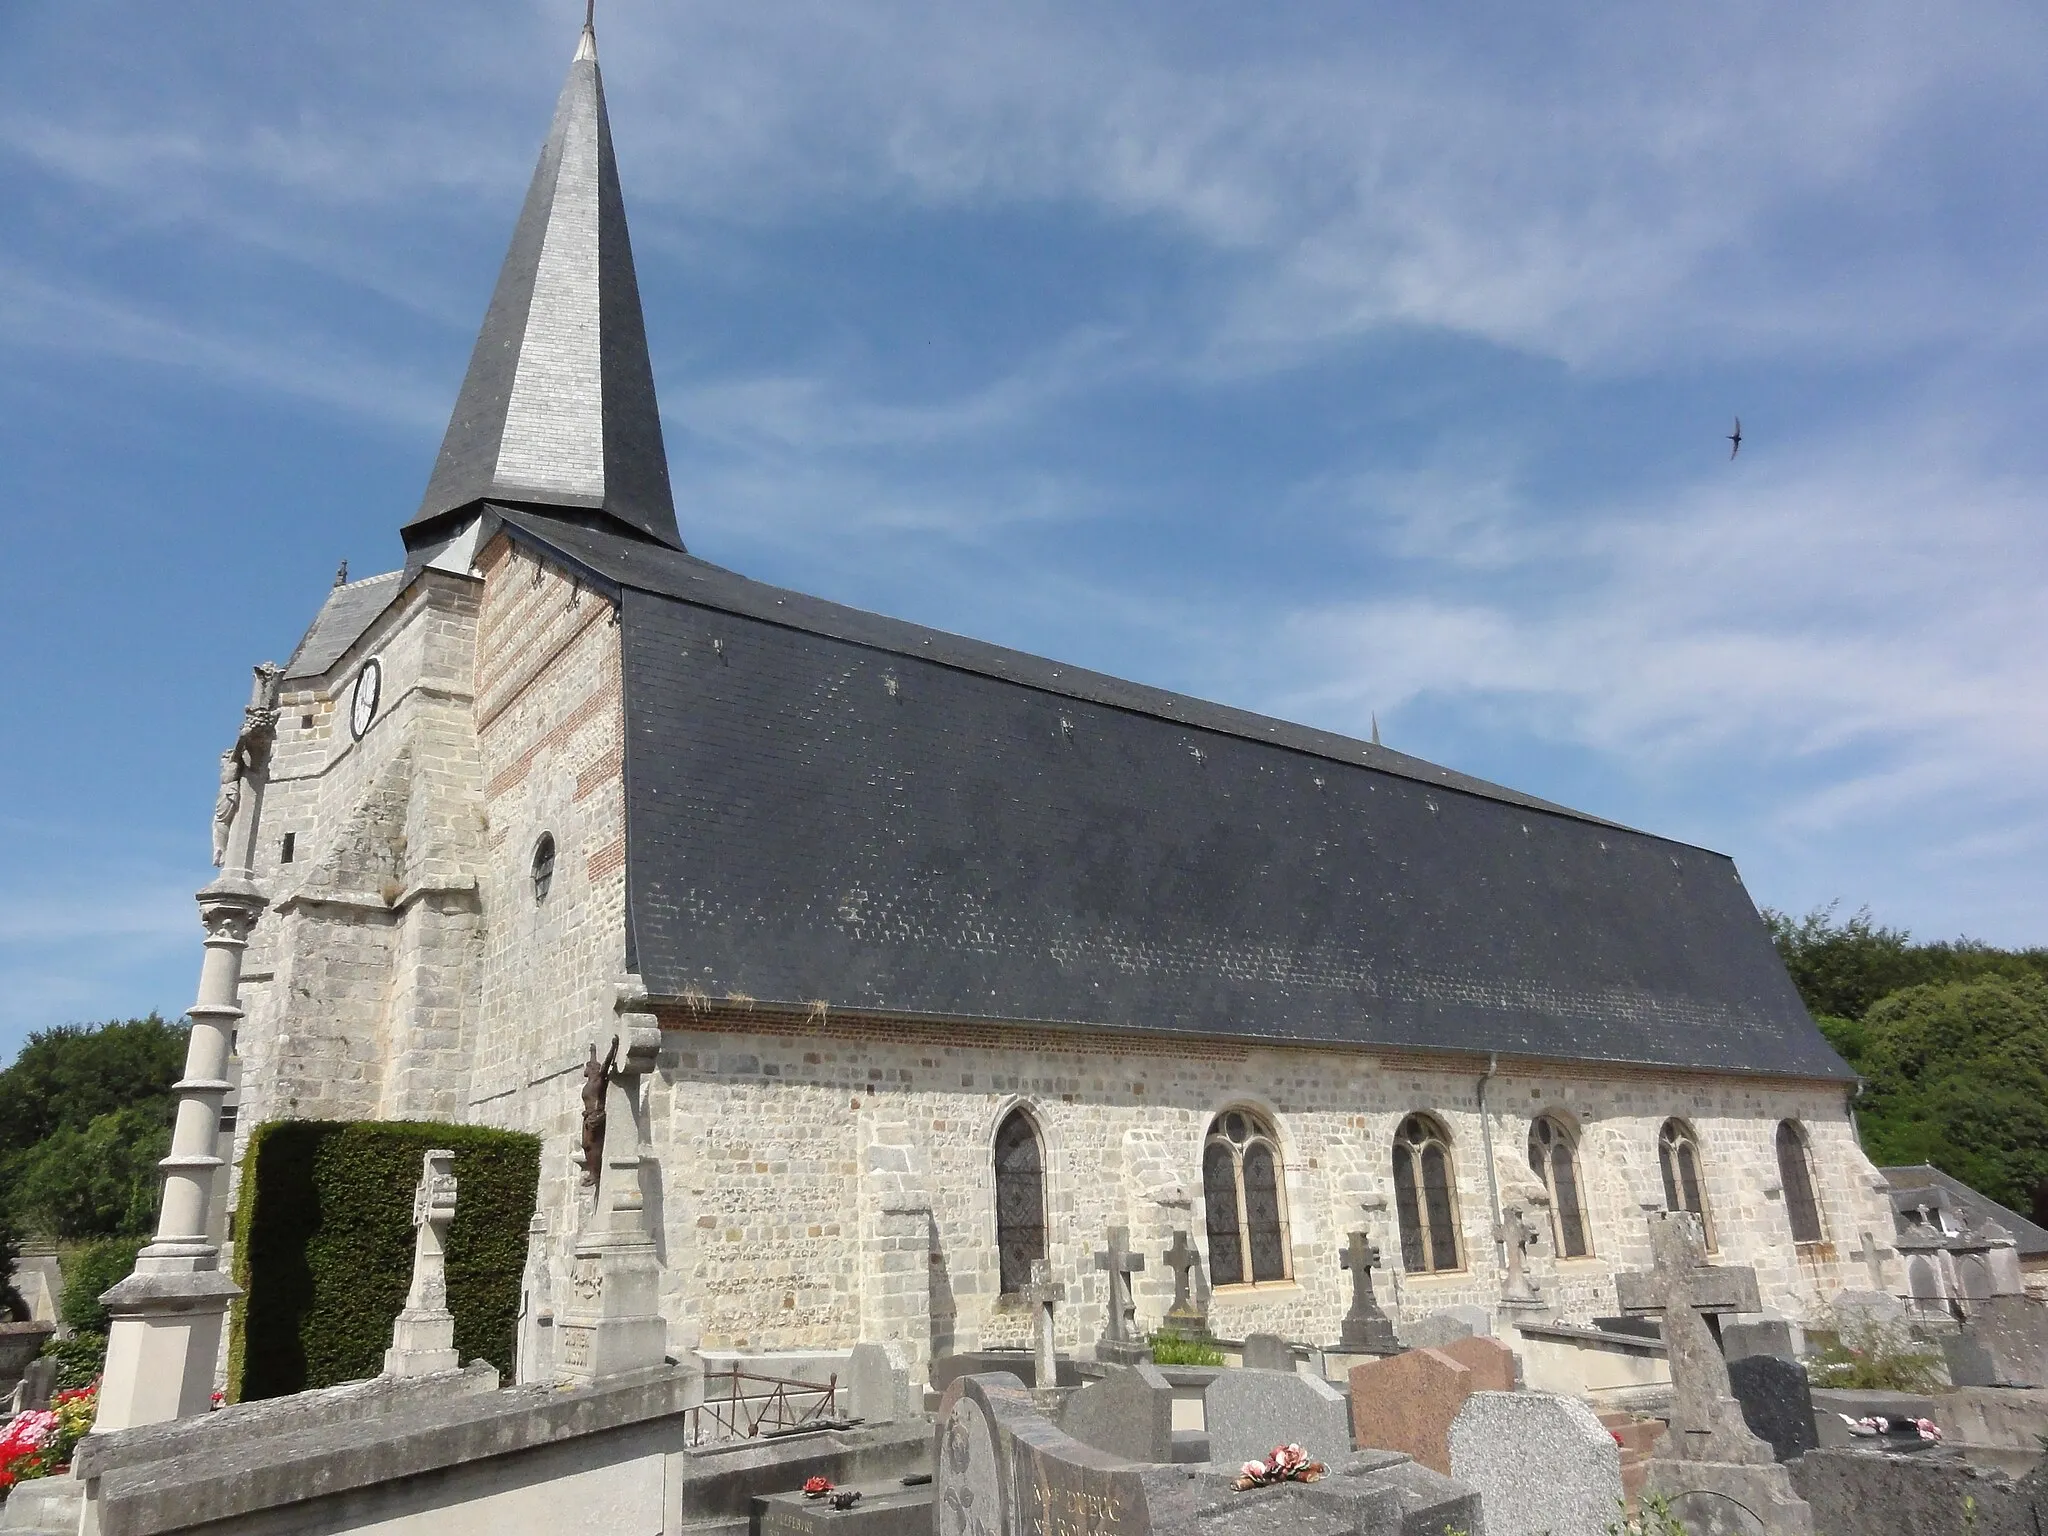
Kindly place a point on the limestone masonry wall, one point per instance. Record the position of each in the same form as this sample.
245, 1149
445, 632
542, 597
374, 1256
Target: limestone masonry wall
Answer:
551, 730
763, 1130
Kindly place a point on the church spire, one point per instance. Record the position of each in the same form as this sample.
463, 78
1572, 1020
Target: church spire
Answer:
558, 407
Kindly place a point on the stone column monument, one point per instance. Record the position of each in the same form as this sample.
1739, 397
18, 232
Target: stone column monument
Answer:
423, 1337
167, 1315
612, 1323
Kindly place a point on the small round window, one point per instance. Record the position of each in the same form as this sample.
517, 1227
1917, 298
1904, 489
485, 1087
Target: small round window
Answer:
543, 866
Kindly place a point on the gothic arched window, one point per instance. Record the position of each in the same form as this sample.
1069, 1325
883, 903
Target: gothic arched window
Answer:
1678, 1156
1425, 1196
1020, 1199
1243, 1192
1555, 1161
1800, 1207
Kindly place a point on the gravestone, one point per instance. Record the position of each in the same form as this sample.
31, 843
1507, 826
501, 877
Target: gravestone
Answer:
1367, 1330
1777, 1402
1493, 1365
1433, 1330
423, 1336
1002, 1470
877, 1387
1267, 1352
1722, 1472
1184, 1319
1120, 1344
2011, 1333
1543, 1465
1042, 1295
1129, 1413
38, 1382
1407, 1403
1251, 1412
1766, 1336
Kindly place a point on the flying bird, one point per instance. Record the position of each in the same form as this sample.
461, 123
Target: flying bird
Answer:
1735, 439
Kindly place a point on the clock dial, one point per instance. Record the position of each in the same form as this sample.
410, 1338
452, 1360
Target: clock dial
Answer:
362, 707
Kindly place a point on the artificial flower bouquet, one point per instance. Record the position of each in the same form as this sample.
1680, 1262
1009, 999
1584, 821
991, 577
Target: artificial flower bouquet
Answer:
1285, 1464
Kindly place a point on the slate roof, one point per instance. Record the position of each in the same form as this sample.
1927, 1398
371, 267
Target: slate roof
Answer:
1975, 1209
349, 610
828, 805
558, 406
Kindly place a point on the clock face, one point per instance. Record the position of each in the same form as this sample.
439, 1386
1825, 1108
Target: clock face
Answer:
362, 708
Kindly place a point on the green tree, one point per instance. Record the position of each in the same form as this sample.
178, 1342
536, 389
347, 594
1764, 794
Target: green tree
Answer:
1957, 1076
1843, 967
73, 1074
12, 1307
97, 1182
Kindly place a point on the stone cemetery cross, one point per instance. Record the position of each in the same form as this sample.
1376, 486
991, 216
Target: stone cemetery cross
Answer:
1119, 1342
1041, 1295
1872, 1262
1706, 1420
1366, 1328
423, 1337
1184, 1317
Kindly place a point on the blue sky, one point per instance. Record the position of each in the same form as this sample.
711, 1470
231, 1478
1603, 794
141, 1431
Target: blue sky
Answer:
1327, 359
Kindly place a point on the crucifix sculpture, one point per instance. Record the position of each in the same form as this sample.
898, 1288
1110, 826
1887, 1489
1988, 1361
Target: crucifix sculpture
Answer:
1184, 1317
1685, 1292
1042, 1295
1120, 1342
1367, 1330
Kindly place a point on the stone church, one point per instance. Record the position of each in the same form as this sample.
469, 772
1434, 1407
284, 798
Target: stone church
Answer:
961, 957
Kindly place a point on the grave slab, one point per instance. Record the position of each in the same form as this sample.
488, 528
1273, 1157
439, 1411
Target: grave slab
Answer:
1542, 1465
888, 1509
1250, 1412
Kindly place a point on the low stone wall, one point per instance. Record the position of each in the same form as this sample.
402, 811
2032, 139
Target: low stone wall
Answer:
469, 1463
1609, 1370
1857, 1493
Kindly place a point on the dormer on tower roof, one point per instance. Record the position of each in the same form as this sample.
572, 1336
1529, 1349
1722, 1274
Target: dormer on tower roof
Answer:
558, 411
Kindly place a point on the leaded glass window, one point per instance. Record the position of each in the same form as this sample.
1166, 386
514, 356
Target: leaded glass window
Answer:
1554, 1160
1800, 1206
1425, 1196
1020, 1199
1678, 1158
1244, 1195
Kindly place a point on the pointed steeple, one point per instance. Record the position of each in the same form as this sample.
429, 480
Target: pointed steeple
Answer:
558, 407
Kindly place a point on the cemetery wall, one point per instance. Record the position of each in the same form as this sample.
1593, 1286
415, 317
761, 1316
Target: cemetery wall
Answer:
764, 1124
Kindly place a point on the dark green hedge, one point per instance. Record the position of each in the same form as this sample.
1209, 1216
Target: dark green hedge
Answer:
324, 1245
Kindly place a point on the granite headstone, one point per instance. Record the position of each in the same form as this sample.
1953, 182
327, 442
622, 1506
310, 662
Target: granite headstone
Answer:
1267, 1352
1251, 1412
1543, 1465
1407, 1403
1777, 1402
1129, 1413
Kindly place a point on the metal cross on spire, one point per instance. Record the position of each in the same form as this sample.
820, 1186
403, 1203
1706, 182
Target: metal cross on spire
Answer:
590, 15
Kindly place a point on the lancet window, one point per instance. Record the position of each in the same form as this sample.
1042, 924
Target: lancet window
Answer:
1244, 1192
1678, 1157
1020, 1199
1425, 1196
1796, 1174
1555, 1161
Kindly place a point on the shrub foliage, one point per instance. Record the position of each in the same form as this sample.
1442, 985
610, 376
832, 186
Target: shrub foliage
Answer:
325, 1240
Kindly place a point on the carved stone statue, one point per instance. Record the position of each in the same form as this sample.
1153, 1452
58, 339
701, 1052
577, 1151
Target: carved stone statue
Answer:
226, 803
1518, 1233
596, 1074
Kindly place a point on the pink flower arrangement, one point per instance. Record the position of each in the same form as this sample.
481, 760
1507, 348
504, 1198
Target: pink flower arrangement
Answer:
1284, 1464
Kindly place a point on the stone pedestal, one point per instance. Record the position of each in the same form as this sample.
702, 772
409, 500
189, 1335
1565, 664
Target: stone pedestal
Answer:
612, 1323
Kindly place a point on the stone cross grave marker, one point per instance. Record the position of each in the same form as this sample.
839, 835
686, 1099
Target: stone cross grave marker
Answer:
1684, 1290
1872, 1262
1184, 1317
1120, 1343
1042, 1295
423, 1337
1367, 1330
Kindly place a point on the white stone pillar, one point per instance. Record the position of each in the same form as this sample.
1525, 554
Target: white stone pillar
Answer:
168, 1314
